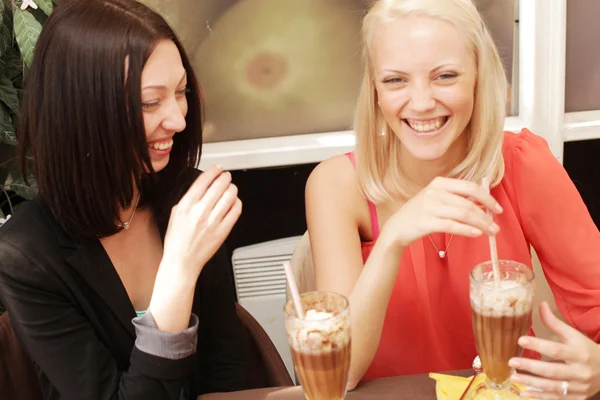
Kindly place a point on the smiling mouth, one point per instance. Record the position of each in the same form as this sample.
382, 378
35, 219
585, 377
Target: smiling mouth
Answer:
427, 126
162, 145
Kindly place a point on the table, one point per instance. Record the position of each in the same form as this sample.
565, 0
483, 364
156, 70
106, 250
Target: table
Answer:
411, 387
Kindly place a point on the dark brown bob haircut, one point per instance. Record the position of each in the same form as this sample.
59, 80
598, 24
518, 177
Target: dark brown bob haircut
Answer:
81, 116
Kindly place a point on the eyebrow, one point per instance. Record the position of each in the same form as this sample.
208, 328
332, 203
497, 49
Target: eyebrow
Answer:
405, 73
164, 86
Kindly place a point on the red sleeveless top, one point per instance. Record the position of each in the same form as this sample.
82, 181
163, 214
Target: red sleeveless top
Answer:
427, 327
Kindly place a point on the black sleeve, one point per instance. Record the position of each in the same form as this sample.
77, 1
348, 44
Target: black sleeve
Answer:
223, 367
65, 346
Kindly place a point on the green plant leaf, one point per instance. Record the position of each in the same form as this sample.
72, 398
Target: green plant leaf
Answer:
6, 36
27, 31
45, 5
8, 94
8, 136
7, 131
11, 64
19, 187
9, 169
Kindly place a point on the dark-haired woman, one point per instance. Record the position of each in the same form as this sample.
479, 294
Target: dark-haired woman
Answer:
114, 276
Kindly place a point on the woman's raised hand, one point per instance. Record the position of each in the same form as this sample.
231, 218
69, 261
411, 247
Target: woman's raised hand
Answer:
453, 206
201, 221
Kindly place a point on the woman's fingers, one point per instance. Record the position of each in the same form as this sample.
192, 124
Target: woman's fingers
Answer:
452, 226
468, 190
231, 217
541, 388
566, 332
546, 369
199, 187
465, 211
223, 205
215, 191
551, 349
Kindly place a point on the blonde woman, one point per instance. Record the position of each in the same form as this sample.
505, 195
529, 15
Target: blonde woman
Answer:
397, 225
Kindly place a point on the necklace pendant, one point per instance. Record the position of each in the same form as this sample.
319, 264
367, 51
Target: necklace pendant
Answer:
125, 225
442, 253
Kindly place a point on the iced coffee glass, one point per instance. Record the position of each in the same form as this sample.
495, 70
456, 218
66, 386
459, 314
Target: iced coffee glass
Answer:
320, 344
501, 313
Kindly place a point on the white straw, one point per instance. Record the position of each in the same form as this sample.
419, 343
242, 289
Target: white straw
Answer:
492, 239
293, 289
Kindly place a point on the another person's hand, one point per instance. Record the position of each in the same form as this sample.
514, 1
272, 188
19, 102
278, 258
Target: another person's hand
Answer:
576, 372
445, 205
201, 221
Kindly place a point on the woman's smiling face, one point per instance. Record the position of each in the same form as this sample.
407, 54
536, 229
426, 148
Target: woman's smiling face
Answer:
425, 77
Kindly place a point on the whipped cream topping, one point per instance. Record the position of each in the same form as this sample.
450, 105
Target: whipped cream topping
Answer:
318, 331
509, 298
314, 315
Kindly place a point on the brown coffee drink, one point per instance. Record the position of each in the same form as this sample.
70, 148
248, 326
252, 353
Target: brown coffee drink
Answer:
320, 345
501, 312
497, 335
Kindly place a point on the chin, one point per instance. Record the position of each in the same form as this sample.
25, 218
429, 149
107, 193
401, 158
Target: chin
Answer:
425, 150
160, 165
427, 153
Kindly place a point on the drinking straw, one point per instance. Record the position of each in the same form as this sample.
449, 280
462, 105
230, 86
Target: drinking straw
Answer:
492, 239
293, 289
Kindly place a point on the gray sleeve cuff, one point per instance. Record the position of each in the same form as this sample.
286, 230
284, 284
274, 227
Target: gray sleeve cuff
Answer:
173, 346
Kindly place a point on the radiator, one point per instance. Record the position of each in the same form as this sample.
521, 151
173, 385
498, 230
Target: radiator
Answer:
261, 286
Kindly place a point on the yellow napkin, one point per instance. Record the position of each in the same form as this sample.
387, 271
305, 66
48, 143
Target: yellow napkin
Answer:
450, 387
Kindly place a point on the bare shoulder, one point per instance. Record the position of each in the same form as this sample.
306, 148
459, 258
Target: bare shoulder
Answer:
332, 189
333, 175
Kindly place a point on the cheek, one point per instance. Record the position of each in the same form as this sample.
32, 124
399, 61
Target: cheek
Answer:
183, 106
391, 103
460, 100
150, 124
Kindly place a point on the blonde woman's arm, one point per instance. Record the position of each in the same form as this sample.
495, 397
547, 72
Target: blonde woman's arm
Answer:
337, 212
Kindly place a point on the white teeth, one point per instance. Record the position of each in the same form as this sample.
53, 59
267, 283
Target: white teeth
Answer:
163, 145
427, 126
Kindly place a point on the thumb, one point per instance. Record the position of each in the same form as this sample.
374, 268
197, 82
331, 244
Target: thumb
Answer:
566, 332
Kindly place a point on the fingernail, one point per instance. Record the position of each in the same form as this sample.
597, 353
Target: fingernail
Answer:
514, 363
494, 228
523, 341
219, 166
498, 208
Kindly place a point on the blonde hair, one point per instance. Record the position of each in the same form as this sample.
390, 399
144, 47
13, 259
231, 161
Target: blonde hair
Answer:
377, 153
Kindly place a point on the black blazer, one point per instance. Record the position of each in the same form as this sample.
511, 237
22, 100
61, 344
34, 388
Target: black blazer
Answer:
70, 310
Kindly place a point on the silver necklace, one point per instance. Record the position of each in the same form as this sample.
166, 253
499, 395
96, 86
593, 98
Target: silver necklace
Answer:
441, 253
126, 225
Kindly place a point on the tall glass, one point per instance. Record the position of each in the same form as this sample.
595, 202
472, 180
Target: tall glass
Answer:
320, 344
501, 314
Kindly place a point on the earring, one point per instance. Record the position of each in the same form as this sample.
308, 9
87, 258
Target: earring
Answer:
383, 130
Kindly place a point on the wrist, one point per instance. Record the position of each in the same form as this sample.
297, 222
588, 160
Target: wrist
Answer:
390, 241
177, 269
175, 276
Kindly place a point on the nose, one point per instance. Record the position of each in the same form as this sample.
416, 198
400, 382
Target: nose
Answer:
421, 99
174, 117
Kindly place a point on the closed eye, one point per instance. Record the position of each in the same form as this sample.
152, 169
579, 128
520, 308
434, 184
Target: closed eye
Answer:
393, 80
183, 91
447, 75
148, 106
